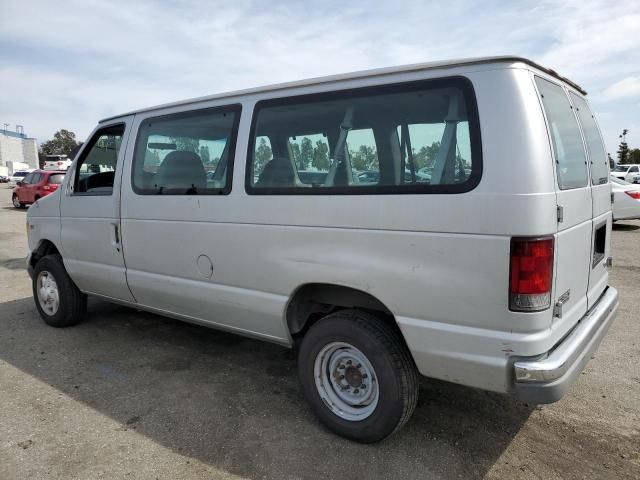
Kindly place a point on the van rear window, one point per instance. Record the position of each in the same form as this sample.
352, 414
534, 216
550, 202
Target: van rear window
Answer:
419, 137
568, 149
595, 146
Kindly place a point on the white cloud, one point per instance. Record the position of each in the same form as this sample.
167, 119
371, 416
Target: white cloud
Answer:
627, 87
75, 62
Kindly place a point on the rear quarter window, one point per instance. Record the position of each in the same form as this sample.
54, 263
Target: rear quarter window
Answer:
568, 149
419, 137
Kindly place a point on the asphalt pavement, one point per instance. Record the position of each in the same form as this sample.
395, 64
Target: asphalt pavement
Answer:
128, 394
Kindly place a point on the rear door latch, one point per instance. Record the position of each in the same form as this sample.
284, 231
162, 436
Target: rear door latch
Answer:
557, 308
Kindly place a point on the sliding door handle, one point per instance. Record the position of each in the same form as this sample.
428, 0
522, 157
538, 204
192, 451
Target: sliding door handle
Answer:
115, 229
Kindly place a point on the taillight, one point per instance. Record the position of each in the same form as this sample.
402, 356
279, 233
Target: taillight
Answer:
531, 274
47, 187
634, 195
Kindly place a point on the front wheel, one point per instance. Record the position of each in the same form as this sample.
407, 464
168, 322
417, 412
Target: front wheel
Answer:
57, 298
358, 375
16, 201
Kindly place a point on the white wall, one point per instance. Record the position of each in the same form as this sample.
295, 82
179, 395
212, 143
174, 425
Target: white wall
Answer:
14, 149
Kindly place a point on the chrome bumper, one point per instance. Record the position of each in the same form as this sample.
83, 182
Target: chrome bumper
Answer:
545, 379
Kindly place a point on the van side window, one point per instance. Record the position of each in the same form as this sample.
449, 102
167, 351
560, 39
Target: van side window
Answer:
363, 156
263, 154
595, 146
188, 153
419, 137
95, 171
571, 163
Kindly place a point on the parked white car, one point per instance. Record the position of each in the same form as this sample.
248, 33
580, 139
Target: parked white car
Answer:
626, 200
57, 164
468, 277
626, 172
19, 175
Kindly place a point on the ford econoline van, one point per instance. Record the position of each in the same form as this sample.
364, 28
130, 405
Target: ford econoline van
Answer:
450, 220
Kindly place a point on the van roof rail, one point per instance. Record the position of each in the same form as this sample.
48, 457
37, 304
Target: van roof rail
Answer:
360, 74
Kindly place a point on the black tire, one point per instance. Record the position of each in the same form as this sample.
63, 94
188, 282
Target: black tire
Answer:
16, 203
72, 303
385, 350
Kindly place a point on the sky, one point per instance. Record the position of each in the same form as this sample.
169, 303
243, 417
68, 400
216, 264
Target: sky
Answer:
67, 64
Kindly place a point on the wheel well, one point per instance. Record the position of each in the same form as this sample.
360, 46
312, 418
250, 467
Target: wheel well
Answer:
45, 247
315, 300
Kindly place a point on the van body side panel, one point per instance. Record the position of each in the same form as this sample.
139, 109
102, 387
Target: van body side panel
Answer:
443, 270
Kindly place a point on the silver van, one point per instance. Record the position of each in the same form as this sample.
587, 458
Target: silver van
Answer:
450, 220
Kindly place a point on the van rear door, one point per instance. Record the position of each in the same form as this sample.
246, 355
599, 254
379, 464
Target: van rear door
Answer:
600, 196
574, 198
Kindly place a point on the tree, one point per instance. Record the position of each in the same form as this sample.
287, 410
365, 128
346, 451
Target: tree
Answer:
63, 143
321, 156
187, 144
365, 158
204, 155
306, 154
634, 155
623, 149
263, 154
426, 155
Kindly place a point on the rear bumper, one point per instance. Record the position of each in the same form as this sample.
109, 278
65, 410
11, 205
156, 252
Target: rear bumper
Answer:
546, 378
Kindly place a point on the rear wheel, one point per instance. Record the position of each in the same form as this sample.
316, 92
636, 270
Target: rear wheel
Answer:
57, 298
358, 375
16, 201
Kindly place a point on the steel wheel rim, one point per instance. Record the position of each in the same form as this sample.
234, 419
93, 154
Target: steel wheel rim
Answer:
346, 381
47, 291
16, 201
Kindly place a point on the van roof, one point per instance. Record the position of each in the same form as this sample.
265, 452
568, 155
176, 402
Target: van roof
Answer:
359, 74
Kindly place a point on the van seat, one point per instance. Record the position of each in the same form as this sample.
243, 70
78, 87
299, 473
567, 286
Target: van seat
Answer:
181, 169
277, 173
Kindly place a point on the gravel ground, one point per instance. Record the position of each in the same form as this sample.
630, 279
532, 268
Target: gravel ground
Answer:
133, 395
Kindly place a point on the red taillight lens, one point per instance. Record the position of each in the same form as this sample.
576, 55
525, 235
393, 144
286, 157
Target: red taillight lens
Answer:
531, 274
47, 187
634, 195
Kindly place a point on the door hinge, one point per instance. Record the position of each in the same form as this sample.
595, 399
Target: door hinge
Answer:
560, 213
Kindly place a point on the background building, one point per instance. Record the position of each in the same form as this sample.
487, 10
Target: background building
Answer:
17, 148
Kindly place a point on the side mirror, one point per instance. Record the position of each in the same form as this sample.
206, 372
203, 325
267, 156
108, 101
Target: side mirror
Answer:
20, 183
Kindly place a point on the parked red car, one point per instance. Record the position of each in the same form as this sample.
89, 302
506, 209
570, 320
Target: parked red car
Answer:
36, 185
